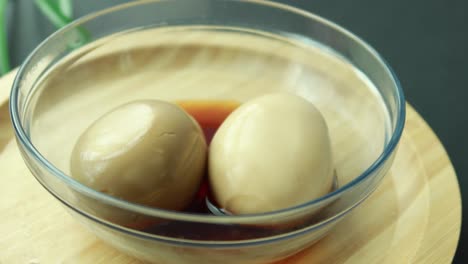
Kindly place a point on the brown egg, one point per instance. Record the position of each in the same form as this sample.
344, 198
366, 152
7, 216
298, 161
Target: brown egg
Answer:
271, 153
148, 152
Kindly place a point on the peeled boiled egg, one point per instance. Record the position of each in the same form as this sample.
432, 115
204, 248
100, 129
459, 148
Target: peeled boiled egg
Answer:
149, 152
271, 153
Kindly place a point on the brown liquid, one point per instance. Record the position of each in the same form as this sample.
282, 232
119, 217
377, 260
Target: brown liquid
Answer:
209, 115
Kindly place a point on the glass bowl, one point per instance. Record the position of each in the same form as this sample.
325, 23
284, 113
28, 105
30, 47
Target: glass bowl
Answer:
206, 50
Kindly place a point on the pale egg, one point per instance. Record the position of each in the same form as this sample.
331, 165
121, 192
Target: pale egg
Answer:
271, 153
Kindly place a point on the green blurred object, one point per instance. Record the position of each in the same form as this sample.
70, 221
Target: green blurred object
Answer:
53, 10
66, 7
4, 58
58, 12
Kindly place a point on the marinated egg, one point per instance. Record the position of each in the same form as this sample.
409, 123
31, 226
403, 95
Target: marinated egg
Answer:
271, 153
149, 152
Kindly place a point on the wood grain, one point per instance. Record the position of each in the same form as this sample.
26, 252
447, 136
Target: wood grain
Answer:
413, 217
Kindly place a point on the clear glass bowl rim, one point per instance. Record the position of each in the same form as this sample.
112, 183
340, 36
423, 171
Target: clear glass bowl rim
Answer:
31, 151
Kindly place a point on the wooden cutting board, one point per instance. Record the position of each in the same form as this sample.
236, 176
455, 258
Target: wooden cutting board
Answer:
413, 217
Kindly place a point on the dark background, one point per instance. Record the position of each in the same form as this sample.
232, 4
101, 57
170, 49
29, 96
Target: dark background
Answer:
425, 41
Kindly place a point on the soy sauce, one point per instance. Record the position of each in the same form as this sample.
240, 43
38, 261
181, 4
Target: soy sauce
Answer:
209, 115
